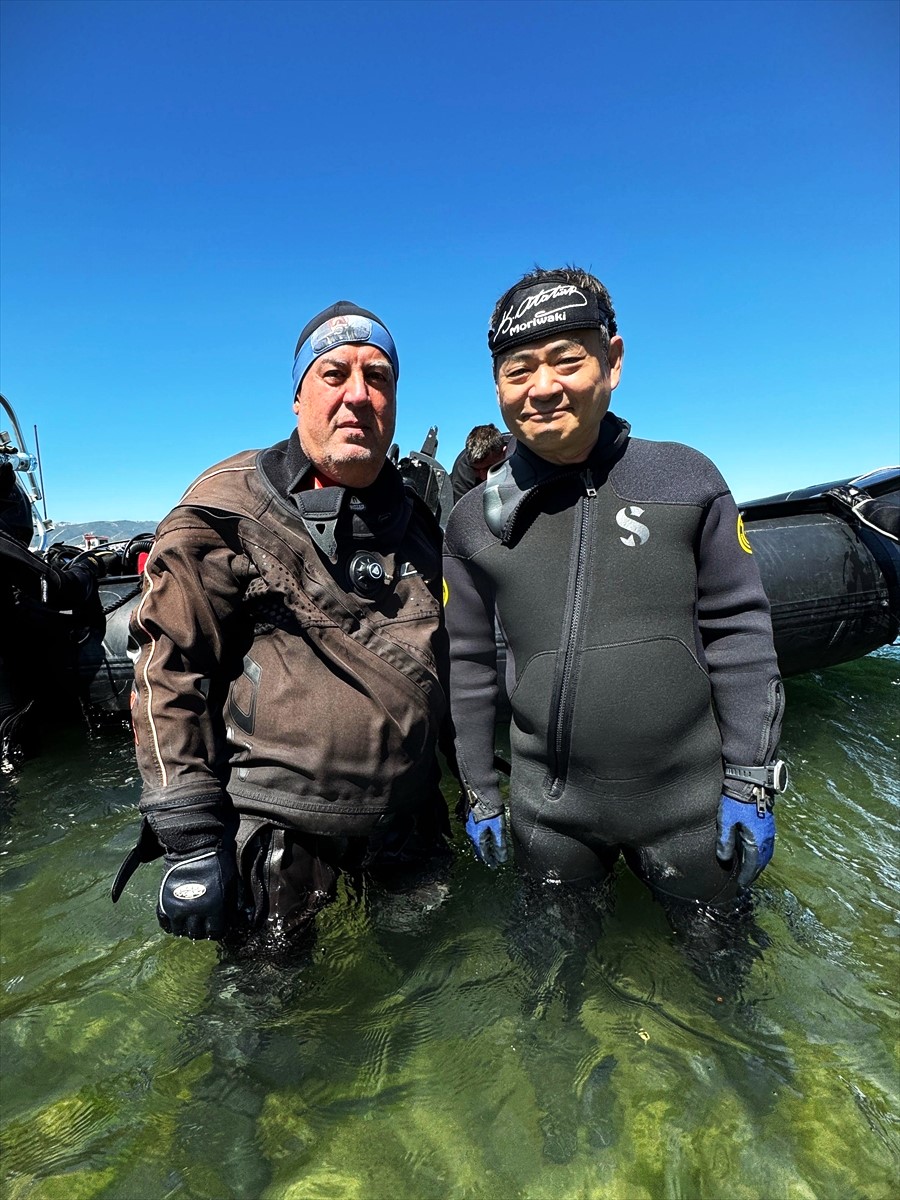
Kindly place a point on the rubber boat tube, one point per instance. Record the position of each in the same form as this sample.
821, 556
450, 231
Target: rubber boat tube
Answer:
829, 557
105, 671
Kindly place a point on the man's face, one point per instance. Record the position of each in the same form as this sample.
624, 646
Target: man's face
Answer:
554, 393
346, 410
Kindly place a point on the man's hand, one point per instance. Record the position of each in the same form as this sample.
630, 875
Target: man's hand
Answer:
488, 836
744, 832
197, 895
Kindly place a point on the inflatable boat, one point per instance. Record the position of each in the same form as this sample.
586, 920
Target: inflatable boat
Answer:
829, 557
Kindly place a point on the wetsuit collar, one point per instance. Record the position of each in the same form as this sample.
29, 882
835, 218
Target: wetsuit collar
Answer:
512, 483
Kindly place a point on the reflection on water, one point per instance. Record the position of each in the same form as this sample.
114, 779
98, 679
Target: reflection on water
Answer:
444, 1047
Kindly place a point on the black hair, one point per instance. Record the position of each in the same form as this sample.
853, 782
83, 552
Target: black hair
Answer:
482, 441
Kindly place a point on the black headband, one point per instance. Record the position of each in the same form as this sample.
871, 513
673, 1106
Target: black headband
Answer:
535, 311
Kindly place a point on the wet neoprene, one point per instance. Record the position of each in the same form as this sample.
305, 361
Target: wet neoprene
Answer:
639, 656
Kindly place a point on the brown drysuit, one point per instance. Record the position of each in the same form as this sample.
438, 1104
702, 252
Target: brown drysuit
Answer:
275, 702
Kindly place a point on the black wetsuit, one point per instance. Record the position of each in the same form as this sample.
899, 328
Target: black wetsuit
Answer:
640, 657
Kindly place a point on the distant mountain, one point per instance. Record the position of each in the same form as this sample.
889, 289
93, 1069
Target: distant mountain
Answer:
117, 531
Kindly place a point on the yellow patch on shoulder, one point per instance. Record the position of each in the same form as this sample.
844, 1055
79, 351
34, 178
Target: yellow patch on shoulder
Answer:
446, 593
742, 537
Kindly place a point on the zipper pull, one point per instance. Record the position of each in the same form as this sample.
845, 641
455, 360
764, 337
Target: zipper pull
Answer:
589, 490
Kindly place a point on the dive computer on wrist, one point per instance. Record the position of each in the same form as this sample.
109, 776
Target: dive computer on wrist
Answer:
767, 781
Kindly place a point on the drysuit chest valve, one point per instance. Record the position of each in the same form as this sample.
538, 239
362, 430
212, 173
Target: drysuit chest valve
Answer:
367, 574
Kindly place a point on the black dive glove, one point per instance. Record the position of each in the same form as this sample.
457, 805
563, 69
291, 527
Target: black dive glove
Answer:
196, 897
198, 894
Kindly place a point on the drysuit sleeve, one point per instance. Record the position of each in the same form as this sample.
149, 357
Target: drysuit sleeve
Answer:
736, 632
469, 606
192, 589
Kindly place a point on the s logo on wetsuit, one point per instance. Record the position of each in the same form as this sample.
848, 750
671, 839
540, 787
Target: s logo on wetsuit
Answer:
635, 528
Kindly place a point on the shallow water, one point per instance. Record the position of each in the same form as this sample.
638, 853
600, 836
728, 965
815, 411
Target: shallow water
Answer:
417, 1055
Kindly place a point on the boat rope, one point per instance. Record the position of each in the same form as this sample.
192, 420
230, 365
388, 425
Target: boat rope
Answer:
130, 595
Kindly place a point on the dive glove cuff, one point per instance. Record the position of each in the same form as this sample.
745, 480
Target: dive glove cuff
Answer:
146, 849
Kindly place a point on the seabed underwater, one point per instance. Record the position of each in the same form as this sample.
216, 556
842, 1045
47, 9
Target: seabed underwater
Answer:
416, 1054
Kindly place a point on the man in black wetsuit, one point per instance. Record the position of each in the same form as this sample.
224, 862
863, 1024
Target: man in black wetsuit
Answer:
645, 693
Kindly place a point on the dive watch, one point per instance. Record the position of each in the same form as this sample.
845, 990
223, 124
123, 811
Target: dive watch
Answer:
767, 781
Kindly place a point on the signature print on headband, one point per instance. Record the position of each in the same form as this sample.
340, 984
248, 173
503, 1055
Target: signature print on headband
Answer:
511, 322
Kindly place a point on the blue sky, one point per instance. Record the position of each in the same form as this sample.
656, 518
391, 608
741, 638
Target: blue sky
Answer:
185, 184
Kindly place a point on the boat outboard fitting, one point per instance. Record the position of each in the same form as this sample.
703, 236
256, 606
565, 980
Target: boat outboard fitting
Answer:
20, 489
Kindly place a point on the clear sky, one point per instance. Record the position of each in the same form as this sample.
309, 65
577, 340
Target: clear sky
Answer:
185, 184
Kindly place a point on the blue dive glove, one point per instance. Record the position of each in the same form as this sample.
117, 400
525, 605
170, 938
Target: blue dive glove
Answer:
746, 829
196, 897
488, 836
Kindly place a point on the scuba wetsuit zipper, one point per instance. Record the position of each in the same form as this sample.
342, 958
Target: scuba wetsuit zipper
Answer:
561, 703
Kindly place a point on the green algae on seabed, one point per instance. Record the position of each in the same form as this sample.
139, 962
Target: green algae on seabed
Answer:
416, 1058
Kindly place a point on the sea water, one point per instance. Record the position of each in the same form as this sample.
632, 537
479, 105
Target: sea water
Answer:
416, 1055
